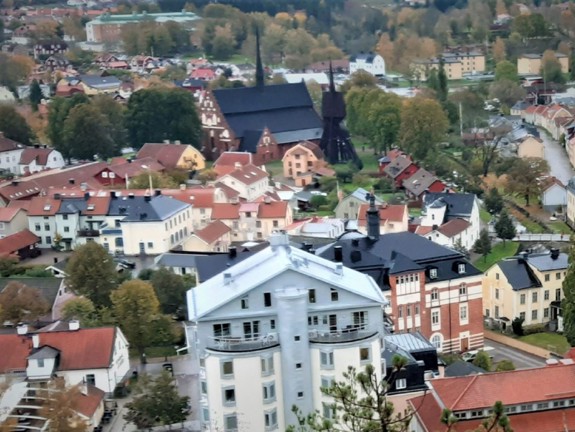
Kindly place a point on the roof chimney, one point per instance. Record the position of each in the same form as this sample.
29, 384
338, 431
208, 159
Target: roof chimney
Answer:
131, 195
86, 196
147, 198
157, 192
35, 341
554, 253
338, 253
232, 252
372, 219
113, 194
73, 325
22, 329
237, 165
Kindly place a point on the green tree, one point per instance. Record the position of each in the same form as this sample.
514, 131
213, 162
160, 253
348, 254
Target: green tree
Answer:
483, 361
493, 201
14, 126
91, 272
508, 92
384, 122
360, 403
505, 70
87, 133
132, 301
58, 111
551, 68
517, 326
531, 26
360, 79
568, 303
83, 310
423, 126
524, 177
114, 119
36, 95
505, 366
156, 114
504, 227
157, 402
20, 303
170, 290
483, 244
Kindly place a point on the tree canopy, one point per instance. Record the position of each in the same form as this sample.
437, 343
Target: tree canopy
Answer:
526, 177
20, 303
568, 303
171, 290
14, 126
504, 227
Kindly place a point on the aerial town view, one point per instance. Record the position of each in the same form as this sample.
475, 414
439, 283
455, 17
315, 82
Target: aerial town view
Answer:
287, 215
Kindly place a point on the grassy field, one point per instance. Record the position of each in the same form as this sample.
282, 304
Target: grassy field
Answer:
550, 341
154, 352
560, 227
484, 215
498, 252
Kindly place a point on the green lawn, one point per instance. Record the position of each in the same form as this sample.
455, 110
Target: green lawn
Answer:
532, 227
154, 352
498, 252
560, 227
484, 215
550, 341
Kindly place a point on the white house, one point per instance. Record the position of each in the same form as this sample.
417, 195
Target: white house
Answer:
554, 197
259, 355
12, 220
370, 62
249, 181
454, 233
34, 159
10, 152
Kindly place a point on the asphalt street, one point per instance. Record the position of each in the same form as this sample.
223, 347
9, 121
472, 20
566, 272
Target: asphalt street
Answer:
557, 158
520, 359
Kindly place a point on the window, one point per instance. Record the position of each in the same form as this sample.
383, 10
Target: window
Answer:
67, 229
251, 329
326, 359
311, 295
204, 387
312, 320
558, 275
546, 295
48, 240
522, 299
273, 324
267, 299
543, 405
496, 276
248, 214
400, 383
463, 289
275, 224
334, 295
408, 311
269, 392
526, 407
497, 293
271, 420
416, 307
298, 365
461, 268
91, 379
436, 341
227, 368
326, 381
360, 319
229, 396
296, 338
267, 365
558, 294
364, 354
40, 363
534, 296
400, 311
258, 224
522, 315
300, 395
244, 303
230, 423
434, 294
433, 273
222, 330
150, 245
435, 318
496, 311
46, 227
547, 277
117, 223
534, 314
546, 313
463, 313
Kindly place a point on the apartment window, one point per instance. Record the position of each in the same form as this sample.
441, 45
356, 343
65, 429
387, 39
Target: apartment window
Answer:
230, 423
313, 320
328, 411
526, 408
558, 294
244, 303
236, 225
522, 315
222, 330
416, 310
435, 318
276, 224
267, 299
496, 276
66, 229
227, 368
229, 396
436, 341
326, 381
547, 277
546, 295
271, 420
300, 395
522, 299
251, 329
461, 268
40, 363
326, 359
360, 319
534, 296
298, 365
150, 245
273, 324
433, 273
463, 312
558, 275
546, 313
400, 311
463, 289
334, 295
400, 383
311, 295
296, 338
204, 387
91, 379
267, 364
534, 314
37, 227
364, 354
496, 293
117, 223
65, 217
543, 405
46, 227
434, 294
269, 392
408, 311
48, 240
496, 311
258, 224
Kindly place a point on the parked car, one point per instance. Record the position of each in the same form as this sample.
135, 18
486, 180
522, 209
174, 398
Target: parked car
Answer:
469, 356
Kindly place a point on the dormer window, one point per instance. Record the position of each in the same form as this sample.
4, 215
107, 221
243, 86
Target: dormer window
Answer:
433, 273
461, 268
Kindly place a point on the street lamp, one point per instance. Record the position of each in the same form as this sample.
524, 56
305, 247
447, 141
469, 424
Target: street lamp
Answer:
147, 168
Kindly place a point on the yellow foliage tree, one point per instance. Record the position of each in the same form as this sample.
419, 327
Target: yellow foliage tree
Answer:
499, 53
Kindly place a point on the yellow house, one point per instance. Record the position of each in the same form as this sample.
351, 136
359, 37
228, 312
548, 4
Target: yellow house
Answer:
453, 68
215, 237
530, 64
302, 158
174, 155
471, 61
528, 286
531, 147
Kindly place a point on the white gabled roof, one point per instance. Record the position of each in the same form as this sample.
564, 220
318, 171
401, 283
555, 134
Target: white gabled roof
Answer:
269, 263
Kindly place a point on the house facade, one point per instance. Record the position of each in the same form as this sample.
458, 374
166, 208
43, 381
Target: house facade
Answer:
531, 147
254, 370
12, 220
174, 155
530, 64
214, 237
393, 218
554, 197
570, 211
10, 152
370, 62
303, 158
249, 181
348, 207
34, 159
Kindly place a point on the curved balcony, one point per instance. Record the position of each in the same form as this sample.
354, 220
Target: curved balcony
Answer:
243, 344
343, 335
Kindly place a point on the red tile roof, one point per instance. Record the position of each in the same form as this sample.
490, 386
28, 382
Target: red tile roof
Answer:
24, 205
14, 242
228, 191
202, 197
8, 213
422, 230
225, 211
273, 210
166, 154
307, 145
90, 348
7, 144
391, 212
31, 154
531, 109
43, 206
100, 206
213, 231
88, 404
136, 167
227, 161
453, 227
248, 174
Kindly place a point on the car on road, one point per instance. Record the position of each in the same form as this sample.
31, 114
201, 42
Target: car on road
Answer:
469, 356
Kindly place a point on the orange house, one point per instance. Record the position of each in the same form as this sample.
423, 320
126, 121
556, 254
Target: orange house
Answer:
305, 157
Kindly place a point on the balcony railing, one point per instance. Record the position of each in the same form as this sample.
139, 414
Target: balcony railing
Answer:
88, 233
347, 334
238, 344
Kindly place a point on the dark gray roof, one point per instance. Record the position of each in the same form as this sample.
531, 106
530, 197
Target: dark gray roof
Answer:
48, 286
544, 262
462, 368
458, 204
367, 57
72, 206
250, 141
96, 81
46, 352
518, 274
139, 208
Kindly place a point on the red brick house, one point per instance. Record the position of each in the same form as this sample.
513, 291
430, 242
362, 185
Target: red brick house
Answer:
399, 169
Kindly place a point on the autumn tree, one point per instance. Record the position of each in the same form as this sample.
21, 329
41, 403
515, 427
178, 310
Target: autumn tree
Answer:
14, 69
135, 305
91, 272
157, 401
21, 303
568, 303
159, 181
61, 406
531, 25
14, 126
508, 92
360, 403
482, 245
423, 125
525, 177
499, 53
81, 309
504, 227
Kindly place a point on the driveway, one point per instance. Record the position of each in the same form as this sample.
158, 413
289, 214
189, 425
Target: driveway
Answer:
557, 158
520, 359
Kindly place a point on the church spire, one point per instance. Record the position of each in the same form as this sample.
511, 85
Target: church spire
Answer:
331, 82
260, 80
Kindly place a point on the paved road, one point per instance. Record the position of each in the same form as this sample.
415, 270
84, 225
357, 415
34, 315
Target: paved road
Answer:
557, 158
520, 359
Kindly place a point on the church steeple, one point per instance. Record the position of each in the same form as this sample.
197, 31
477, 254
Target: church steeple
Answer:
260, 78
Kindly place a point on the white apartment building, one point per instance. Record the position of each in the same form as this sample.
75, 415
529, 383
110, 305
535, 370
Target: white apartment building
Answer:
249, 181
369, 62
10, 152
258, 353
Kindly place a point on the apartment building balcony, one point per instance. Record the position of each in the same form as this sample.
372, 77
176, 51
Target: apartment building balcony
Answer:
88, 233
350, 333
243, 344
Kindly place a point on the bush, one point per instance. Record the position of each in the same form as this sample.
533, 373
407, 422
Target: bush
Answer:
318, 201
385, 185
535, 328
361, 180
37, 271
505, 365
517, 325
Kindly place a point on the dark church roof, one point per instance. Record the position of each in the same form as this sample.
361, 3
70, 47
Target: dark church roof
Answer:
286, 109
